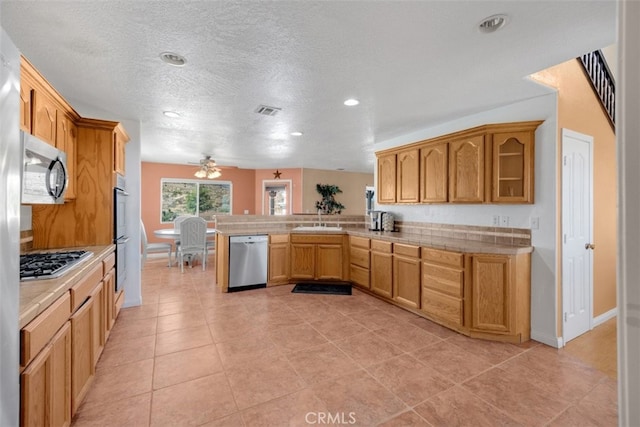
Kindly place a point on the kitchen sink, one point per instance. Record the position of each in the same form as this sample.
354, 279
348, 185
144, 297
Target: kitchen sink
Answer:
317, 228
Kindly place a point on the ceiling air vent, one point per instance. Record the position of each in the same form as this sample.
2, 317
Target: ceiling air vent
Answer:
267, 111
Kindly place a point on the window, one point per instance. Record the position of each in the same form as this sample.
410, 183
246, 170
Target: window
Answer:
193, 197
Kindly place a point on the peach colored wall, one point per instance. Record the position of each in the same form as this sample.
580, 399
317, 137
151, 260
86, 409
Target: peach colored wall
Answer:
579, 110
352, 185
243, 191
295, 175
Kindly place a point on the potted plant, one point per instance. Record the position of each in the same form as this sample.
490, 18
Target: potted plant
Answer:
328, 204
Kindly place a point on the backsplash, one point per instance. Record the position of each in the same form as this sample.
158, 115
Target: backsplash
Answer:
230, 223
499, 235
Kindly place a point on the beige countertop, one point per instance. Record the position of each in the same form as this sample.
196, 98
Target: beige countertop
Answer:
37, 295
445, 243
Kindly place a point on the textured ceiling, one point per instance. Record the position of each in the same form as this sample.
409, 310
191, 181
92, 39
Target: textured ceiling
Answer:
412, 64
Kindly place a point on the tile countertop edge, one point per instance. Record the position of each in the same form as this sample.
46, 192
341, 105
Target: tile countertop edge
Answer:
444, 243
37, 295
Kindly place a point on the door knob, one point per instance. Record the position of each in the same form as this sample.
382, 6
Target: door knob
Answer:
589, 246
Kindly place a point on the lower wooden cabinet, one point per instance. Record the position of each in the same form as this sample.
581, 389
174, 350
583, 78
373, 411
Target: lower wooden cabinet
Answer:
46, 384
82, 353
382, 268
317, 257
443, 275
359, 261
500, 295
406, 275
278, 270
98, 321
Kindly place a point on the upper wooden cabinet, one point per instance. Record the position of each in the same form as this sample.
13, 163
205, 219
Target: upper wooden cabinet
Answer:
434, 173
120, 138
66, 140
466, 170
408, 174
512, 167
44, 117
488, 164
26, 92
387, 178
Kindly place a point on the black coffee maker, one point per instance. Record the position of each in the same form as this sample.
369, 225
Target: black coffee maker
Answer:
376, 220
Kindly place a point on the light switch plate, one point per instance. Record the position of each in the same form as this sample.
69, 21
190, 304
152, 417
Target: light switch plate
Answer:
496, 220
535, 222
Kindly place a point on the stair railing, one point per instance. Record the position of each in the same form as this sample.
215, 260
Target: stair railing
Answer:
595, 66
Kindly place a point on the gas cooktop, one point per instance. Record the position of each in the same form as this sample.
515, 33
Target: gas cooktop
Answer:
49, 265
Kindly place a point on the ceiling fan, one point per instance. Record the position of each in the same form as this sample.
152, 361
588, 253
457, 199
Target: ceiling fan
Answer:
208, 168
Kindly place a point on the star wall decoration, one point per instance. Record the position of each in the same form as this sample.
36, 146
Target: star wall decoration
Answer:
276, 174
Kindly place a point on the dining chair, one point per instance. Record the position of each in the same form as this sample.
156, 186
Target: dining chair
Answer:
176, 226
193, 241
152, 247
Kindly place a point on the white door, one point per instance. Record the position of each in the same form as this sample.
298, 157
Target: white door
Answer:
577, 207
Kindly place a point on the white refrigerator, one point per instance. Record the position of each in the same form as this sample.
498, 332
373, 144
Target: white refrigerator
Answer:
10, 167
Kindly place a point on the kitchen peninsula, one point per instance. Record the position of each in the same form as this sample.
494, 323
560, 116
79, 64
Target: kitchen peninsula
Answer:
475, 280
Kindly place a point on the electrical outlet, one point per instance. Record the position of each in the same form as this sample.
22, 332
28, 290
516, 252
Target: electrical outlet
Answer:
246, 211
504, 221
496, 220
535, 222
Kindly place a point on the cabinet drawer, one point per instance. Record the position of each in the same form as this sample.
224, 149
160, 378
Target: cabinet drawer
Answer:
278, 238
454, 259
108, 263
380, 246
35, 335
360, 257
359, 276
81, 290
443, 307
442, 279
361, 242
406, 250
316, 238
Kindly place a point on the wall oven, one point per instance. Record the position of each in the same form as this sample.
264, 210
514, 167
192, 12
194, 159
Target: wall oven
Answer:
120, 237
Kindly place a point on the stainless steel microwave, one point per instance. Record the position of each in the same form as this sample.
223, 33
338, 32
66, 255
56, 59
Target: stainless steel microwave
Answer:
44, 172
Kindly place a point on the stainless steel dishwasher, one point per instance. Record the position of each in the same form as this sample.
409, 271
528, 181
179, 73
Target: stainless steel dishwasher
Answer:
247, 262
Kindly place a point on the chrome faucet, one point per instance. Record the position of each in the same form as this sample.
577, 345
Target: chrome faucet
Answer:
319, 217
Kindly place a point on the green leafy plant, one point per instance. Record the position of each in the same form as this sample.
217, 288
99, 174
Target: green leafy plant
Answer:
328, 204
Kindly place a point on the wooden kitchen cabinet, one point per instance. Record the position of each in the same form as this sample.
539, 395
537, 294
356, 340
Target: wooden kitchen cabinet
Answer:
45, 384
98, 321
82, 353
387, 178
109, 285
26, 92
278, 270
512, 167
466, 170
443, 275
408, 176
317, 257
382, 268
501, 295
44, 117
434, 170
120, 138
67, 140
359, 261
406, 275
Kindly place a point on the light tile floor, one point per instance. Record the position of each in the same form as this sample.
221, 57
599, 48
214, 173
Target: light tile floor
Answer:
191, 355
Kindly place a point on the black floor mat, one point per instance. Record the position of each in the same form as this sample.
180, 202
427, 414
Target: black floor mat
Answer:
333, 288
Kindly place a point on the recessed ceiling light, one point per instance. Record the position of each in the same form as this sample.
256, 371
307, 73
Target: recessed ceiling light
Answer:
173, 59
171, 114
351, 102
492, 23
296, 133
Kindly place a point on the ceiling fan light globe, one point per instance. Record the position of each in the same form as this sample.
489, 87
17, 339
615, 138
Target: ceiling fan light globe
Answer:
200, 173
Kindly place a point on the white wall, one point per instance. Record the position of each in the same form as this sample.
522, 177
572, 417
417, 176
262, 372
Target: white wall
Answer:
543, 259
133, 285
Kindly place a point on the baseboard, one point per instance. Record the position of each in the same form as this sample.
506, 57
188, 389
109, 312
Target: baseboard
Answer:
555, 342
599, 320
